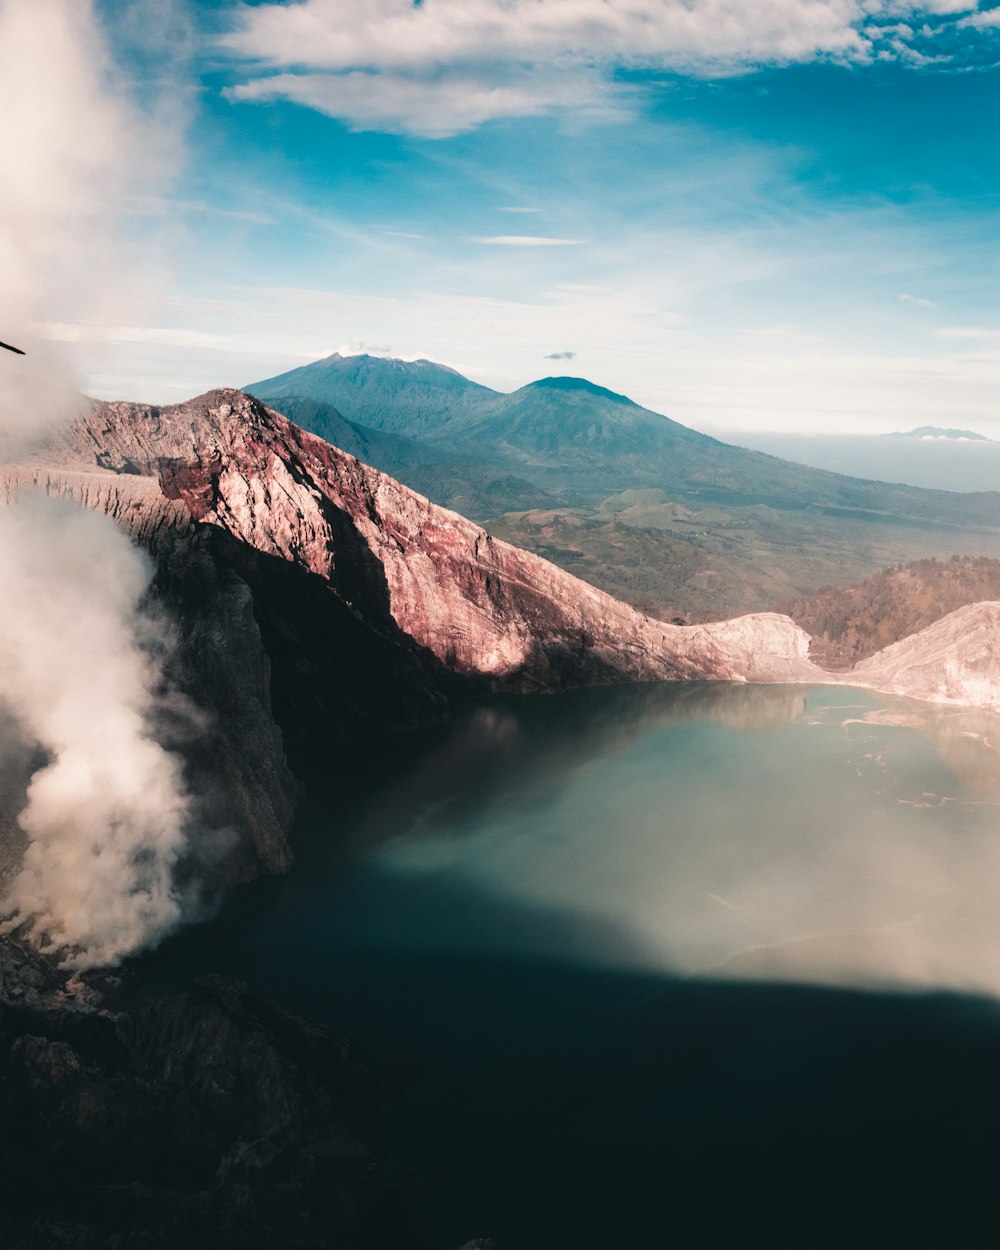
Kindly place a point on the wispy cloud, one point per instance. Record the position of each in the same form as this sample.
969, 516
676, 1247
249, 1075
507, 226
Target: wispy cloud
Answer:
445, 66
917, 300
969, 332
560, 356
364, 349
167, 206
524, 240
95, 332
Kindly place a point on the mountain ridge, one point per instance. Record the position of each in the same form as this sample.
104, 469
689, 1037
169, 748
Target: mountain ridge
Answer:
737, 530
593, 435
937, 431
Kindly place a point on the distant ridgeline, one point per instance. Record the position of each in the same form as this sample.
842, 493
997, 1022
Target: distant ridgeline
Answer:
849, 624
674, 522
936, 431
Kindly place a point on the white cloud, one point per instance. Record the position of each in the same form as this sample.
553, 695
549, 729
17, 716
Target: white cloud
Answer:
97, 332
434, 107
384, 34
982, 21
917, 300
931, 8
363, 349
445, 66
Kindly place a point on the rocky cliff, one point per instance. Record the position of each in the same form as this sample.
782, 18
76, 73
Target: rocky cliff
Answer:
470, 605
955, 660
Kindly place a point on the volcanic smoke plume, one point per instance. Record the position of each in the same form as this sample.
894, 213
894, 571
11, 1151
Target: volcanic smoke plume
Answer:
106, 812
106, 815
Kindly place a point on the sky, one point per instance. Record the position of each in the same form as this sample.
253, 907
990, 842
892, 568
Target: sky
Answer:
777, 214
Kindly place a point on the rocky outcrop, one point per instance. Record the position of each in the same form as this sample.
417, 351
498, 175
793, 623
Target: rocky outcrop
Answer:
955, 660
213, 1118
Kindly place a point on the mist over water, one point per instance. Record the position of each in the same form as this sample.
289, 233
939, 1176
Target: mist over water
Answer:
815, 835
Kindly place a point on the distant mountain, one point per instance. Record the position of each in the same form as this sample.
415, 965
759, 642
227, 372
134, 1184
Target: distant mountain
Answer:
716, 528
569, 435
936, 431
388, 451
410, 397
953, 460
570, 418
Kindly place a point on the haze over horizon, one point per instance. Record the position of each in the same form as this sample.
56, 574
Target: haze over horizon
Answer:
780, 218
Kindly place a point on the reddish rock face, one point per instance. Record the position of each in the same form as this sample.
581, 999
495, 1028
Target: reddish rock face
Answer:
482, 609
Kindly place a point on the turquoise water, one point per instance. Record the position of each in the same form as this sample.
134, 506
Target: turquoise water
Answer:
818, 834
638, 955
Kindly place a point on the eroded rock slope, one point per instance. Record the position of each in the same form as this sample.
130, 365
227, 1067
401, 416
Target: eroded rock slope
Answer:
955, 660
471, 605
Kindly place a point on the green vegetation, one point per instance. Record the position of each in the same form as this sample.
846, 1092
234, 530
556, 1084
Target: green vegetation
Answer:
850, 623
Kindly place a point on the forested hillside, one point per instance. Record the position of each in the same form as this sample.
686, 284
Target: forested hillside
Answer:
850, 623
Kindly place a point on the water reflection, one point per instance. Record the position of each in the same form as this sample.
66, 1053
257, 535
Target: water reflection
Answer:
522, 750
967, 739
822, 835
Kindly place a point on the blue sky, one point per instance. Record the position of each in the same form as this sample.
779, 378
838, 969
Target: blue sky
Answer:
779, 214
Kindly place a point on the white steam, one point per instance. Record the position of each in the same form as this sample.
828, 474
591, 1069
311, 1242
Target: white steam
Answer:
76, 146
106, 816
